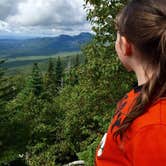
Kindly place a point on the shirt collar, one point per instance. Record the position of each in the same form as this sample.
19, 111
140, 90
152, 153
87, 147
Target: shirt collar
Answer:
137, 87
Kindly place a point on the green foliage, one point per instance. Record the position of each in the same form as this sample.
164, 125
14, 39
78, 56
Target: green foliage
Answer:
7, 88
38, 129
56, 129
8, 136
101, 78
71, 77
50, 81
89, 105
59, 72
89, 154
44, 133
37, 81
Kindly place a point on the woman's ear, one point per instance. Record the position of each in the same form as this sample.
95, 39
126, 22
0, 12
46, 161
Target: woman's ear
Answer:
127, 46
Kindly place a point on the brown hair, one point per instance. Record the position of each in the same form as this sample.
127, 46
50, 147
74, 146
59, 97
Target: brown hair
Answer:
143, 22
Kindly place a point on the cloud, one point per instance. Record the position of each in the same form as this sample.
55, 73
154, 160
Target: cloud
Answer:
7, 8
42, 12
7, 29
4, 26
49, 17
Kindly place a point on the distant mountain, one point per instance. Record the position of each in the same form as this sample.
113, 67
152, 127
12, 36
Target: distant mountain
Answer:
15, 37
16, 47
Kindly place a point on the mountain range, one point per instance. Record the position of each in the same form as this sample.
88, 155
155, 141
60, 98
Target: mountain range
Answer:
16, 47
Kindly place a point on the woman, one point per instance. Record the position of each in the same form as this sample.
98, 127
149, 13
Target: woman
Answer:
137, 133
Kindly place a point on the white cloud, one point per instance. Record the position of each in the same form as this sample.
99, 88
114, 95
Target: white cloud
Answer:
47, 17
4, 26
7, 8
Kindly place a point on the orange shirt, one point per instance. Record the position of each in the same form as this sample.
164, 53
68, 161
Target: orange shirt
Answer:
144, 143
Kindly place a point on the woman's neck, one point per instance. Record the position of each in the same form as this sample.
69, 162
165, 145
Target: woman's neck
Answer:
142, 75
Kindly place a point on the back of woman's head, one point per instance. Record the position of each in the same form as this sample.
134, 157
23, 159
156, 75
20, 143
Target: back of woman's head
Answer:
143, 23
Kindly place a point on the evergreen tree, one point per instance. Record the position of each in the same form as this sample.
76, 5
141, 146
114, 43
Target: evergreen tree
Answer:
11, 136
68, 63
7, 87
50, 82
36, 80
77, 60
59, 72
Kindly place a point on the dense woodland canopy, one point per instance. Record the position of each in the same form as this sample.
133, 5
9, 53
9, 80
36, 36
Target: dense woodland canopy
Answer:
58, 116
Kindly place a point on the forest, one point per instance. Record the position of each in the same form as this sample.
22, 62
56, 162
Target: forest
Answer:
60, 115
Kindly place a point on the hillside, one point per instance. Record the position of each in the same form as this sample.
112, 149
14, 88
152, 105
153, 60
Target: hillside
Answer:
12, 48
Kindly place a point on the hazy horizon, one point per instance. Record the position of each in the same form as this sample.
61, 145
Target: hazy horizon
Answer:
22, 36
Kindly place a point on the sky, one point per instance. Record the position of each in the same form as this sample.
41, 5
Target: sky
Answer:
42, 17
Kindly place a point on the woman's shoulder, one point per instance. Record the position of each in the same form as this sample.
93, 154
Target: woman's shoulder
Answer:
155, 115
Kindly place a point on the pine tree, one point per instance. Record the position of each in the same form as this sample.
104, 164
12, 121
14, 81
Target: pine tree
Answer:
50, 81
77, 60
8, 137
59, 72
7, 88
37, 80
